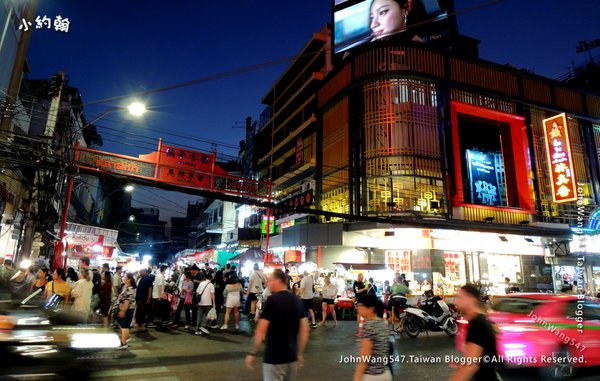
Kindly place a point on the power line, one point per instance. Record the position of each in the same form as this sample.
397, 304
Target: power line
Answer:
213, 77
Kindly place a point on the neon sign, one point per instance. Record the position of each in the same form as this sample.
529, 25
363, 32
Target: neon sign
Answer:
268, 224
560, 159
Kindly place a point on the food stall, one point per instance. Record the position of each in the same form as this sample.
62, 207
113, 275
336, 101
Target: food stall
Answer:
98, 244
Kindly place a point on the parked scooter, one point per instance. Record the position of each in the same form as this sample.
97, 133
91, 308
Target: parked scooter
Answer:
433, 315
397, 305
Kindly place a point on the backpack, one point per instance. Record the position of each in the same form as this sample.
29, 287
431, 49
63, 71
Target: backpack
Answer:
97, 281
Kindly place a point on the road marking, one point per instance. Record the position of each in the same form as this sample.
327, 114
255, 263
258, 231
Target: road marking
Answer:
131, 372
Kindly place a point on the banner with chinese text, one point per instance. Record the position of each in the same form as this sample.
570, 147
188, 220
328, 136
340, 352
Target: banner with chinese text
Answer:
560, 159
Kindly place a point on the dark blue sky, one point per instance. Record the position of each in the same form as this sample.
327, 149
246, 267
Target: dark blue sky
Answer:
116, 47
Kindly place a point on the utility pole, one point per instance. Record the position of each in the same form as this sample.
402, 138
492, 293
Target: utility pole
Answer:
56, 86
17, 72
8, 113
31, 206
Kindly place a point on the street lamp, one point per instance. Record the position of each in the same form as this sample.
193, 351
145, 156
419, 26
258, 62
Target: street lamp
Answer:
136, 109
128, 189
128, 219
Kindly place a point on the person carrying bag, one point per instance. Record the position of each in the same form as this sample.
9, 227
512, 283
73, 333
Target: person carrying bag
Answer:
206, 304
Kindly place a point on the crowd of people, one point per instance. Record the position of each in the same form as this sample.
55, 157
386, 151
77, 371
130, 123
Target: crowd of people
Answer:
281, 307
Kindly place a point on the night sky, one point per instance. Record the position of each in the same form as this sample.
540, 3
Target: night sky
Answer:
117, 47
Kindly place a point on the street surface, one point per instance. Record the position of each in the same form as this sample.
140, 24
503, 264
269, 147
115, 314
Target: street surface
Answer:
177, 355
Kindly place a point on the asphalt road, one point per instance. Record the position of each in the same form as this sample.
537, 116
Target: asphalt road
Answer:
177, 355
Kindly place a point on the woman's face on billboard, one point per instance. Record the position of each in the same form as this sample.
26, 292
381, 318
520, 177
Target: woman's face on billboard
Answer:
387, 17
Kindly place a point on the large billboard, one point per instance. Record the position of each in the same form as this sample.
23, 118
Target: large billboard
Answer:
361, 21
560, 159
484, 181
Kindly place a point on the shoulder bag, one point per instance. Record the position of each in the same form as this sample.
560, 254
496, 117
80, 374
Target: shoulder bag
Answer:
200, 295
55, 300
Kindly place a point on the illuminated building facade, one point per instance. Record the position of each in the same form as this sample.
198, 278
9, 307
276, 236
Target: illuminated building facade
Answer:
439, 165
455, 145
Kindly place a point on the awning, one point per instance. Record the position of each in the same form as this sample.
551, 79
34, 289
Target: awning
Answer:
362, 266
253, 254
89, 235
209, 255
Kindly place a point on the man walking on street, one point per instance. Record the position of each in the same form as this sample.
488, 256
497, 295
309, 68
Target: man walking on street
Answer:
143, 298
117, 281
284, 329
206, 301
196, 275
158, 288
307, 293
255, 287
480, 341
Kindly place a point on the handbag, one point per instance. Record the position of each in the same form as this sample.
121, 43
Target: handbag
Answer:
54, 301
212, 314
188, 298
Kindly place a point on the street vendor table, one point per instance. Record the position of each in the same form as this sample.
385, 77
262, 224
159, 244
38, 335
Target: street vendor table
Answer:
346, 309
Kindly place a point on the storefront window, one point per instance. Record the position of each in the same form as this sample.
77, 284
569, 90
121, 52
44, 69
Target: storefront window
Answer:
495, 268
454, 274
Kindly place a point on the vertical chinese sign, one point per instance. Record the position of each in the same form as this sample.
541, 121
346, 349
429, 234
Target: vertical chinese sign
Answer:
560, 159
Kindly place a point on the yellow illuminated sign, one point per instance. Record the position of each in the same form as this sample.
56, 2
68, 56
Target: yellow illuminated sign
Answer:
560, 159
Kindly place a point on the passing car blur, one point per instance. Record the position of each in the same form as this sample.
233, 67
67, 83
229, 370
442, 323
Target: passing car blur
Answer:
50, 342
555, 333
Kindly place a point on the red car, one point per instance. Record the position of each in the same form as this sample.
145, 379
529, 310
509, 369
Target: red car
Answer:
555, 333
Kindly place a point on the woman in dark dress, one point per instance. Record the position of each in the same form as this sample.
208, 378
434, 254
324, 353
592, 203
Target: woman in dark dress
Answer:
106, 297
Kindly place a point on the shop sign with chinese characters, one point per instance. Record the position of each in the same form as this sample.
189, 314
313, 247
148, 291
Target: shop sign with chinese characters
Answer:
560, 159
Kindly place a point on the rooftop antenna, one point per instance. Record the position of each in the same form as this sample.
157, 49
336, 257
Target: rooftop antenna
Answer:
587, 46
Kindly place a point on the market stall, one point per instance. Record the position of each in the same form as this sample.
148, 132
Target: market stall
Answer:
98, 244
246, 260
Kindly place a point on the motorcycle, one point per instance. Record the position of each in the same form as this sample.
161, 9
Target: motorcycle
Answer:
397, 305
433, 315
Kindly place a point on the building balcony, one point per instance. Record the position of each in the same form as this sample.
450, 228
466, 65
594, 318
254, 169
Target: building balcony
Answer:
511, 216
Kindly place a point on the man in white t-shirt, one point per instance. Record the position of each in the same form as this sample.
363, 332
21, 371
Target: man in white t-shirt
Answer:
306, 294
158, 288
117, 281
256, 286
206, 301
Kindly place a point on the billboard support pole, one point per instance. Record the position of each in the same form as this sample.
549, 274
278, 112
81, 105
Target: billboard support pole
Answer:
212, 170
268, 218
58, 249
158, 159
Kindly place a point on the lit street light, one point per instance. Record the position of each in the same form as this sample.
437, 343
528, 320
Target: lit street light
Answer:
136, 109
128, 219
128, 189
